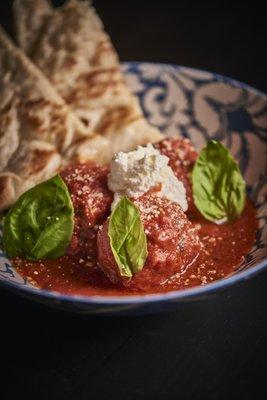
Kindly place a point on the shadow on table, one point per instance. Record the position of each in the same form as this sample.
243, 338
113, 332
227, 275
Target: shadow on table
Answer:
57, 355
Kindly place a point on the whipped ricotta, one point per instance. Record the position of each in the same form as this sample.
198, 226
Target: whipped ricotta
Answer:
136, 172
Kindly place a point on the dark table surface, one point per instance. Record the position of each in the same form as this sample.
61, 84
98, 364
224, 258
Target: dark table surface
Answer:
214, 349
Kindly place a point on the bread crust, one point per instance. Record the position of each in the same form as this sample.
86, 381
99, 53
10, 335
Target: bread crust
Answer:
77, 55
36, 124
71, 104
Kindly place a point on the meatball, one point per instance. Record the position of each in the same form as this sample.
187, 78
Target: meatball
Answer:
91, 199
182, 155
173, 244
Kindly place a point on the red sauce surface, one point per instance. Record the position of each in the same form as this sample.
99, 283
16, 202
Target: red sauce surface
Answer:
91, 199
224, 248
184, 251
182, 156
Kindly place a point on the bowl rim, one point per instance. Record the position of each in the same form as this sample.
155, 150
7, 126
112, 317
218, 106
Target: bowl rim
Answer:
184, 294
224, 78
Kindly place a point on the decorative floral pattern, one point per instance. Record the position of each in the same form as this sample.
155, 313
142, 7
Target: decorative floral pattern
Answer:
198, 105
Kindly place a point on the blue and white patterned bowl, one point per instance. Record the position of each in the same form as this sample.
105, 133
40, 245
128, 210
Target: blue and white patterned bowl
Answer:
198, 105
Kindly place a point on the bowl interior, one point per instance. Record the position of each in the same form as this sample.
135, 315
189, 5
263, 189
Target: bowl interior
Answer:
201, 106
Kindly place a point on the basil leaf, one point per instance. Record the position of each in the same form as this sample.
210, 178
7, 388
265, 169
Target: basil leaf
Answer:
127, 238
218, 186
40, 224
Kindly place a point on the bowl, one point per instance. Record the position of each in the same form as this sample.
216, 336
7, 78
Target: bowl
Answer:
199, 105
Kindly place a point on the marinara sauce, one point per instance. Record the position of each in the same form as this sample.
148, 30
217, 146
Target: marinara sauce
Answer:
214, 253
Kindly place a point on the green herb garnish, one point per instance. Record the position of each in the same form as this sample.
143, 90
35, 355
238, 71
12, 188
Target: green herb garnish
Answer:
218, 186
127, 238
40, 224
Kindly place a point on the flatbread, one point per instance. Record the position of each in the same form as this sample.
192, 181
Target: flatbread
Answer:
33, 162
9, 137
30, 17
10, 184
77, 56
36, 126
46, 124
41, 111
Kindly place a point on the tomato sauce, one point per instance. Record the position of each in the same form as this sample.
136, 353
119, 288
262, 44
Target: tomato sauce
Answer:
213, 253
224, 248
182, 157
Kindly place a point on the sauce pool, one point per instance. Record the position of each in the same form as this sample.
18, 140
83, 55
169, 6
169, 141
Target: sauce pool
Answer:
225, 246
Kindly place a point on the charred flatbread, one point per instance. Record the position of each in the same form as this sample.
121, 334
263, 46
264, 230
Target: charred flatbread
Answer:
36, 125
76, 54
